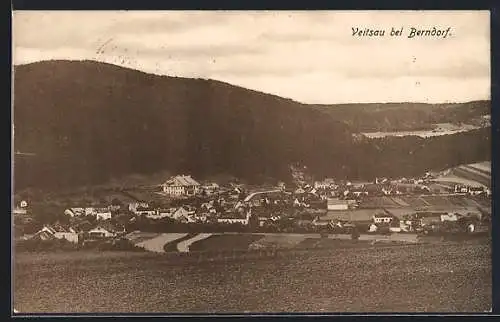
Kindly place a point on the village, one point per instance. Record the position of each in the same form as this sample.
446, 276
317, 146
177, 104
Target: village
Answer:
182, 204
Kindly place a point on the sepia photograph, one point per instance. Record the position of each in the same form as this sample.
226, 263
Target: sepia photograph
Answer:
243, 162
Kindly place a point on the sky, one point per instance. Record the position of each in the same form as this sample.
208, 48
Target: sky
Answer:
311, 57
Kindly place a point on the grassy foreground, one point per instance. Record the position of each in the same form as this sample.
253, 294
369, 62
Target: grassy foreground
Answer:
449, 277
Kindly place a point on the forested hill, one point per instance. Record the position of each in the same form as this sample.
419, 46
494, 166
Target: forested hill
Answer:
89, 121
86, 122
388, 117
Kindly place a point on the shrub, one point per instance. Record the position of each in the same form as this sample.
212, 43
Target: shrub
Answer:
34, 245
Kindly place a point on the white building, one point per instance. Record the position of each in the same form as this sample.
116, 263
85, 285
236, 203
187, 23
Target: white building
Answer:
210, 188
449, 217
184, 214
379, 219
132, 207
105, 230
19, 211
232, 219
181, 185
103, 214
60, 232
74, 212
90, 211
325, 184
337, 204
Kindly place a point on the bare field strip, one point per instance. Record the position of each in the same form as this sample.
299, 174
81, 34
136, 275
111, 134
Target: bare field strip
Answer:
278, 241
438, 201
184, 245
472, 176
139, 236
156, 244
226, 242
482, 166
359, 280
400, 202
474, 171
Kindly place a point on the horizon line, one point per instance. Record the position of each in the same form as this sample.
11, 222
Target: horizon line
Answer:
246, 88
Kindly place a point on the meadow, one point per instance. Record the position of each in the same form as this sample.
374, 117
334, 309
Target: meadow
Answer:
434, 277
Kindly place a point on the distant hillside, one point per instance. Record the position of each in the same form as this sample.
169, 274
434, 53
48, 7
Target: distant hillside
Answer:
88, 122
405, 116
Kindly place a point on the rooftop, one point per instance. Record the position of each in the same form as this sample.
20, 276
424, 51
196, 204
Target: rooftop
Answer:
182, 180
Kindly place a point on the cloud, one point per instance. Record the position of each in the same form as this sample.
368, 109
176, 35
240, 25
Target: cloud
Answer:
297, 50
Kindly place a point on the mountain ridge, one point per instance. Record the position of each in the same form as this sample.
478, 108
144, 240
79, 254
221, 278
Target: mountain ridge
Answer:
89, 122
254, 90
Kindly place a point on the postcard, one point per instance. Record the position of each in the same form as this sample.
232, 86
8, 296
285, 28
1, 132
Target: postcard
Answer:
242, 162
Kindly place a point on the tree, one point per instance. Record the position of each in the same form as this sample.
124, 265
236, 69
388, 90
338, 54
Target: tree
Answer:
116, 202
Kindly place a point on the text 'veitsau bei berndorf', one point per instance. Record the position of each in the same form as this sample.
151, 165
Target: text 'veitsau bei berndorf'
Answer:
412, 32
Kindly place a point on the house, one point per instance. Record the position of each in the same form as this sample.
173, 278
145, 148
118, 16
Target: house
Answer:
325, 184
161, 213
43, 234
82, 226
299, 191
319, 222
449, 217
474, 191
382, 218
90, 211
62, 232
57, 232
182, 185
184, 214
298, 203
103, 214
210, 188
337, 204
387, 191
232, 218
424, 188
19, 211
132, 207
200, 217
240, 206
359, 193
461, 189
429, 218
105, 230
145, 211
75, 212
114, 207
381, 180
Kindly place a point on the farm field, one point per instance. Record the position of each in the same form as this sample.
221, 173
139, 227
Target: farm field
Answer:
340, 279
311, 243
482, 166
138, 236
351, 215
226, 242
278, 241
157, 244
438, 201
381, 202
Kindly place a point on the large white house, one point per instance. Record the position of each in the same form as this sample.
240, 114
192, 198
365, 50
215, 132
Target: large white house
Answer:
182, 185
